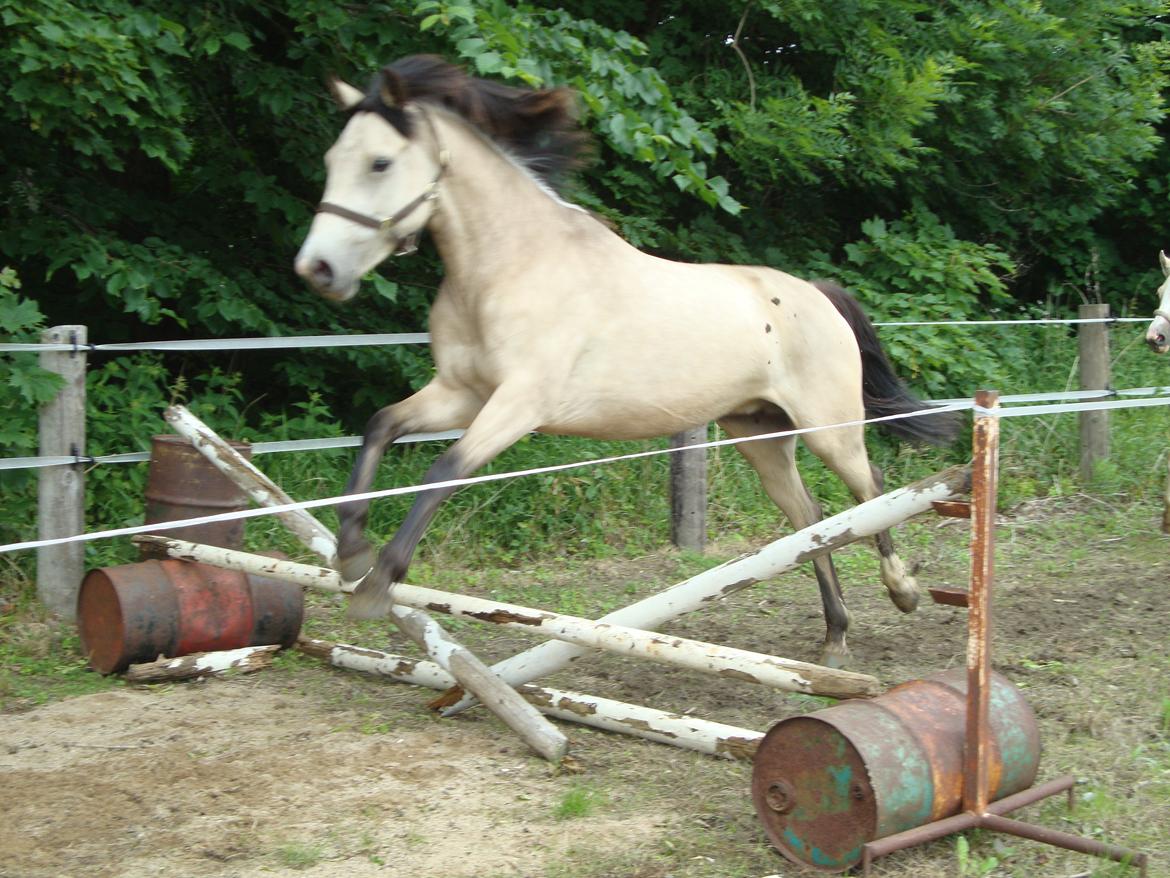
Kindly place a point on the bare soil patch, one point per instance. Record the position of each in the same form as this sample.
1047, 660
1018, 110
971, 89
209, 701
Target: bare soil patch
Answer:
311, 771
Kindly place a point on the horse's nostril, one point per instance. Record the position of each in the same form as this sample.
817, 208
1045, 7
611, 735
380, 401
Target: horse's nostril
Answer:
322, 272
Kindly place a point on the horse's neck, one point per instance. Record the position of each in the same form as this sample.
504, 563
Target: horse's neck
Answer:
492, 213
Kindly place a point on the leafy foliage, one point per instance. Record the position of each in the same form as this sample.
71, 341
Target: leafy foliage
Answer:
160, 160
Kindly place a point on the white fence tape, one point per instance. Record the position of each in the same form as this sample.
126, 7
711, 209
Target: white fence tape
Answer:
960, 405
354, 441
458, 483
235, 344
397, 338
257, 448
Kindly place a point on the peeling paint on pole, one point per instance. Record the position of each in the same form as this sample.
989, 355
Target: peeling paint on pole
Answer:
730, 663
687, 732
263, 491
863, 520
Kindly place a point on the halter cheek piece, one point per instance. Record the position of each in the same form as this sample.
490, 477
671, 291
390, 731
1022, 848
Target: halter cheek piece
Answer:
407, 244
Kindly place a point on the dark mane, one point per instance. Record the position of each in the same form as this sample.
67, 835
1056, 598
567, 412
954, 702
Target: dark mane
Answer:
536, 126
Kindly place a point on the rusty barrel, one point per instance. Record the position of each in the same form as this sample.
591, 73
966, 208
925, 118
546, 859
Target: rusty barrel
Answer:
182, 483
136, 612
826, 783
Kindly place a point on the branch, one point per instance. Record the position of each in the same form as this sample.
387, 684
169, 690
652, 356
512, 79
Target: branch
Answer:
742, 57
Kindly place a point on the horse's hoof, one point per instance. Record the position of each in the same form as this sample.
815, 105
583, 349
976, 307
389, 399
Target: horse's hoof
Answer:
354, 565
905, 600
835, 657
369, 601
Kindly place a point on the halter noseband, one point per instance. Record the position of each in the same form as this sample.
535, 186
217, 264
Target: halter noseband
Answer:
408, 244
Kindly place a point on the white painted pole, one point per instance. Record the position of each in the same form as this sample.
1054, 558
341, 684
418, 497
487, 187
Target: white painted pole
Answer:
265, 492
500, 698
863, 520
733, 664
688, 732
245, 660
61, 489
453, 657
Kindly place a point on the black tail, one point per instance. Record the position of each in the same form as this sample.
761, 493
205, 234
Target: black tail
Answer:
882, 390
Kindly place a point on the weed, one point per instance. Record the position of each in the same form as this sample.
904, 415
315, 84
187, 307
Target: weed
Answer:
299, 855
578, 801
970, 865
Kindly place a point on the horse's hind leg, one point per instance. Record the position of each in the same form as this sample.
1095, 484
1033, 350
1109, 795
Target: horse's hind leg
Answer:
434, 408
775, 462
843, 451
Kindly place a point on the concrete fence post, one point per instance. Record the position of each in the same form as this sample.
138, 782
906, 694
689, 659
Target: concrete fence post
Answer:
61, 490
1093, 348
688, 491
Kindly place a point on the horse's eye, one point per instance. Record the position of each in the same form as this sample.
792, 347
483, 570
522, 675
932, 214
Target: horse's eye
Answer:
379, 165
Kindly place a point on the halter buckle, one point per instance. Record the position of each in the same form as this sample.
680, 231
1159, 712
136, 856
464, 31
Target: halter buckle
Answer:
407, 246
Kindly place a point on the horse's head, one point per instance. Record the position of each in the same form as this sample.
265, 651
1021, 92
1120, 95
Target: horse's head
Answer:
382, 178
1158, 333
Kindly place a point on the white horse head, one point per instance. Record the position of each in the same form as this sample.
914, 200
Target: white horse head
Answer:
381, 186
1158, 333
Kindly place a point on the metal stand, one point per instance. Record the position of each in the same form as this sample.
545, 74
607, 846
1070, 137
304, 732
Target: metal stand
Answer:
978, 813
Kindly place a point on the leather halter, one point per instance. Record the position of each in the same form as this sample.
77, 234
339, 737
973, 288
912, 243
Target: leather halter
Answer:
407, 244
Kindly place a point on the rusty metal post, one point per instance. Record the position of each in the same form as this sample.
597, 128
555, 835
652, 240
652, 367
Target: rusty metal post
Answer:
978, 811
984, 482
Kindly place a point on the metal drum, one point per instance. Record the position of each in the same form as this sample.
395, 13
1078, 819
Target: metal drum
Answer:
137, 612
182, 483
826, 783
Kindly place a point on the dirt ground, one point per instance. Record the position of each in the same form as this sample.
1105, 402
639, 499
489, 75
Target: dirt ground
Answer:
307, 770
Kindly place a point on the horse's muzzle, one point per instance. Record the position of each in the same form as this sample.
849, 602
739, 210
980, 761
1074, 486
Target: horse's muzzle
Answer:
323, 279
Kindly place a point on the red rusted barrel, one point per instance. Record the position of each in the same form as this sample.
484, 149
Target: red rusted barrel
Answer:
137, 612
182, 483
826, 783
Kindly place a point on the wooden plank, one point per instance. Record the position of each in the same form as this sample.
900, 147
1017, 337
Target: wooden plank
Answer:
61, 489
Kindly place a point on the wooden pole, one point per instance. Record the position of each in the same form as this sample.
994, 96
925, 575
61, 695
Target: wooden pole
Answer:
863, 520
61, 489
314, 535
454, 658
737, 664
688, 732
1093, 347
203, 664
688, 491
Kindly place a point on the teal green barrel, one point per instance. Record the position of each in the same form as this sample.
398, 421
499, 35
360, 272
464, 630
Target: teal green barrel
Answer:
826, 783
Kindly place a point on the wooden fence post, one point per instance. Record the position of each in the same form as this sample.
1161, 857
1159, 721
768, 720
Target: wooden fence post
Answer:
61, 490
688, 491
1093, 346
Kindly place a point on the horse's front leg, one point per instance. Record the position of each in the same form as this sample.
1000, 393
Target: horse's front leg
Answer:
436, 407
504, 419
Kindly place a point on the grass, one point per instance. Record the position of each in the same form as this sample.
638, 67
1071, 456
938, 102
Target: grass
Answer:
553, 541
578, 801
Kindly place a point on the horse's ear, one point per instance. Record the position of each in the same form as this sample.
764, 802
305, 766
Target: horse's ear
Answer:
393, 88
343, 93
1164, 262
